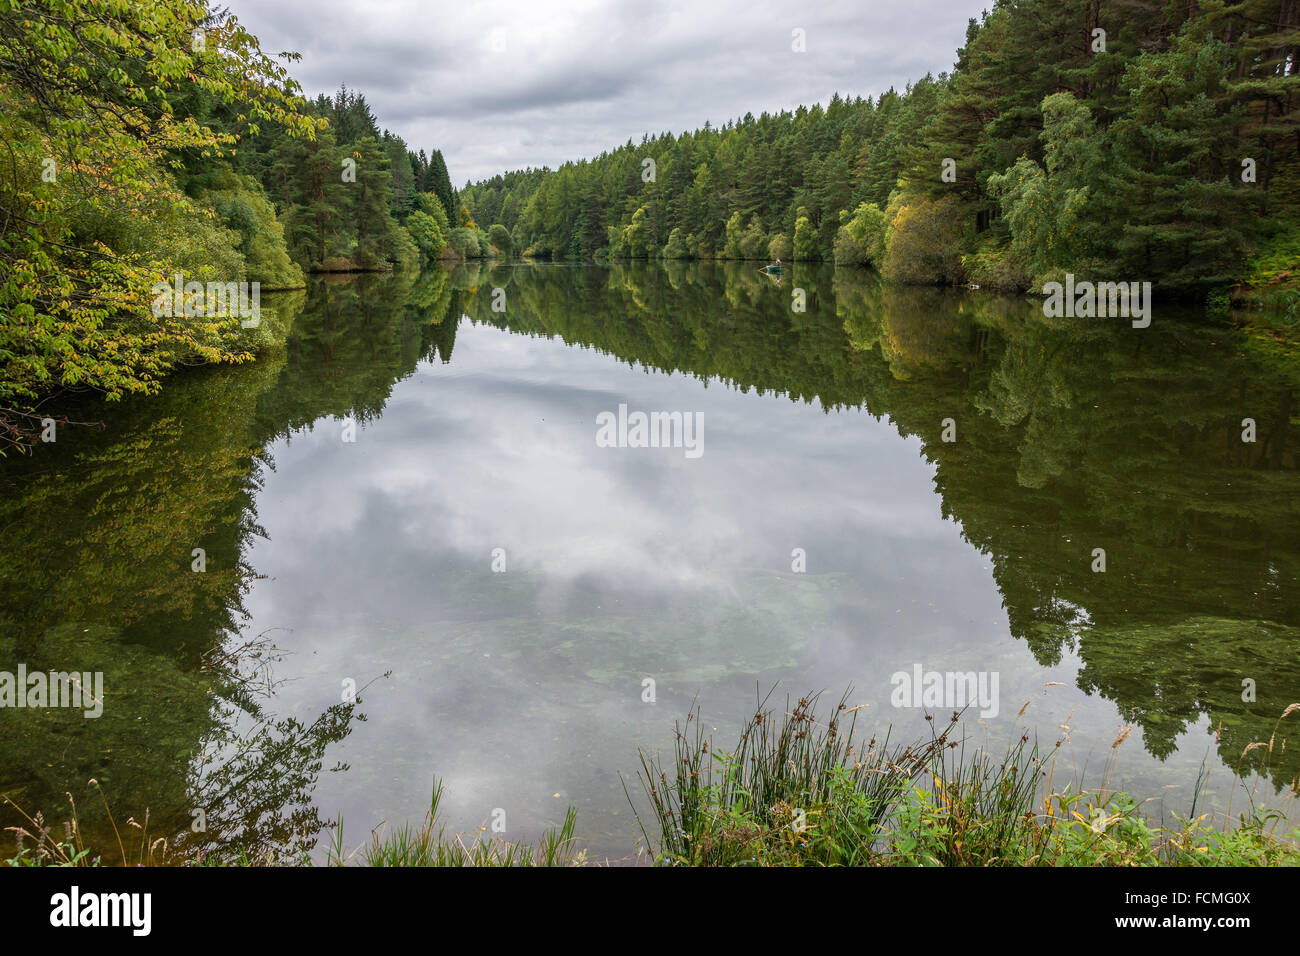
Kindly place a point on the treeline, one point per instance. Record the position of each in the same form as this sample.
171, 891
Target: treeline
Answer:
145, 141
345, 197
1109, 138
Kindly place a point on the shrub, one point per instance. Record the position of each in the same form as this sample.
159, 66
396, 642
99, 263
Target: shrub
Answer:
428, 235
754, 241
846, 251
924, 244
995, 265
805, 240
463, 242
499, 238
676, 247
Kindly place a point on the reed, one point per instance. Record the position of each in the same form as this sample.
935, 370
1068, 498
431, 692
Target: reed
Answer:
429, 844
797, 791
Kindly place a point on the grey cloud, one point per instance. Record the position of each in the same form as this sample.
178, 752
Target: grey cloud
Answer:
576, 78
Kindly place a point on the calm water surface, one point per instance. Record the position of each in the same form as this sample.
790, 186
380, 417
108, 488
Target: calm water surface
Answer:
372, 561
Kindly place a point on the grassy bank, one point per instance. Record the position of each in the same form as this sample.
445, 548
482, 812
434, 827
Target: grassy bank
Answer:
802, 789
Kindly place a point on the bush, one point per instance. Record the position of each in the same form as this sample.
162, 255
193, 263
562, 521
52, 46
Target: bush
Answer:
847, 252
499, 238
734, 231
924, 243
676, 247
429, 237
995, 265
402, 251
780, 247
805, 240
464, 243
865, 235
636, 236
242, 205
754, 241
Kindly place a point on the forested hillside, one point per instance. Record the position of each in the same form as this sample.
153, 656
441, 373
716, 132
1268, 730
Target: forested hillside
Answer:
145, 141
1125, 139
1116, 139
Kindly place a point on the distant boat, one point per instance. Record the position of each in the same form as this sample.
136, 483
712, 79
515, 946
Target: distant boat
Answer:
773, 270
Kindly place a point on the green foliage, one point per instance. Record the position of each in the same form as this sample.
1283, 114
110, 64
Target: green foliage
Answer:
805, 240
465, 242
430, 176
347, 194
1058, 213
863, 237
499, 237
1278, 258
1189, 218
780, 247
242, 205
992, 265
868, 228
431, 845
428, 235
92, 212
753, 242
799, 791
676, 247
794, 790
924, 245
134, 157
637, 240
1124, 163
846, 252
734, 232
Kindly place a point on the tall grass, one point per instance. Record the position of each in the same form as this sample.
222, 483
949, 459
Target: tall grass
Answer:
38, 844
430, 845
799, 791
793, 788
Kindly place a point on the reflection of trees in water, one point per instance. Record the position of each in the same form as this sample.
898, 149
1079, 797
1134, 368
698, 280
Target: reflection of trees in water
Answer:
259, 800
104, 581
1071, 436
171, 741
255, 773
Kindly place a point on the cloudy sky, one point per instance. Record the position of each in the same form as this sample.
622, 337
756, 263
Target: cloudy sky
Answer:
504, 84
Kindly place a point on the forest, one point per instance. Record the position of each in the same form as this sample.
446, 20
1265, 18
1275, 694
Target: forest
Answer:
1111, 139
144, 140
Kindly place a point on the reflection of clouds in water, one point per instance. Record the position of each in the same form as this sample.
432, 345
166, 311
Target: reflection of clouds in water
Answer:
512, 686
505, 456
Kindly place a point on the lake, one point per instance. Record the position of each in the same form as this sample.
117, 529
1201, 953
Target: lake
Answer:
413, 500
